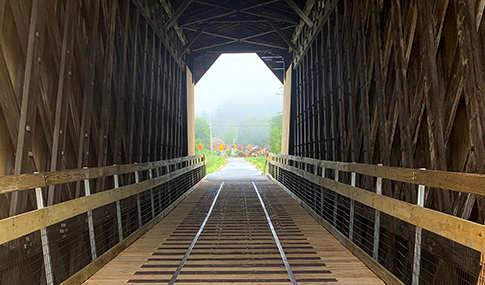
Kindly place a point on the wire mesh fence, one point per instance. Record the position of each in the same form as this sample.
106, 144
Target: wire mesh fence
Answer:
53, 254
22, 260
412, 254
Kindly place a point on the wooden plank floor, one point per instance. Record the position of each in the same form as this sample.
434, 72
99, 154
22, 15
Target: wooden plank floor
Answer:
236, 245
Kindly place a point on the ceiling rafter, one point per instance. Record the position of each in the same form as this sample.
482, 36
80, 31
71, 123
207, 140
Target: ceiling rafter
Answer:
260, 26
232, 12
177, 14
300, 12
196, 36
214, 34
244, 39
283, 36
280, 19
198, 21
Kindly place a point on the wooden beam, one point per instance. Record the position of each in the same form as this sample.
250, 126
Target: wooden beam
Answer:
459, 230
61, 102
231, 12
433, 98
177, 14
11, 183
20, 225
381, 271
300, 13
134, 85
28, 110
316, 30
88, 90
283, 36
199, 31
274, 17
121, 90
102, 260
151, 102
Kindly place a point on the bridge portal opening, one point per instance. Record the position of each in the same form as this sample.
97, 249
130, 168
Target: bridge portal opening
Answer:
239, 101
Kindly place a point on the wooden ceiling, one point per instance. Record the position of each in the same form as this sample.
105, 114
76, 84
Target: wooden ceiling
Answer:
212, 27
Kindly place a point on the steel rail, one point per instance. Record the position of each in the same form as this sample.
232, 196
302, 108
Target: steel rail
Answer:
276, 239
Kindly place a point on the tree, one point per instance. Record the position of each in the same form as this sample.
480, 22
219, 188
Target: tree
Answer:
275, 140
254, 131
231, 133
202, 131
275, 137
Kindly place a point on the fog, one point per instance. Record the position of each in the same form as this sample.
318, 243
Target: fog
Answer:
238, 86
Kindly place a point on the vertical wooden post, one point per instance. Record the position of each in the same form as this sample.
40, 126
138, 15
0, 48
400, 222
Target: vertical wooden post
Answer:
45, 240
118, 210
138, 203
352, 209
61, 102
315, 172
28, 110
377, 221
322, 199
168, 189
150, 176
335, 201
417, 238
159, 191
92, 241
88, 91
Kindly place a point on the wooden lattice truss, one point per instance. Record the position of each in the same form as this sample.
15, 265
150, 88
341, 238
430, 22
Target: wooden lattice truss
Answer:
83, 84
398, 83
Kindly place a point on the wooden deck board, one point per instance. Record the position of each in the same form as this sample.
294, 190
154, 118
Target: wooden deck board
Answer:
157, 254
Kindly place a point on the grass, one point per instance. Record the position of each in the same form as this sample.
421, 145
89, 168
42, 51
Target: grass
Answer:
258, 161
213, 162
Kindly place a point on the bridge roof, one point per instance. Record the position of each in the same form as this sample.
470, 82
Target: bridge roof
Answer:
212, 27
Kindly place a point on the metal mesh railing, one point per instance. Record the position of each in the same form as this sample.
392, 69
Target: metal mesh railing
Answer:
412, 254
53, 254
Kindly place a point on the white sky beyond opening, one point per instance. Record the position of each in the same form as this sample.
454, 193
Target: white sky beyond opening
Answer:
241, 80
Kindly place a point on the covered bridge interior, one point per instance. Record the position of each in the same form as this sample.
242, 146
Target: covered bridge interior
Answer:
383, 126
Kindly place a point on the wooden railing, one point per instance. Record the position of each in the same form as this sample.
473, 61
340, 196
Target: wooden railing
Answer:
158, 173
464, 232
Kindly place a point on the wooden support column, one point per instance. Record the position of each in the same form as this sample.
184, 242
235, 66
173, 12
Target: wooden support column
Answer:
104, 128
352, 127
122, 91
88, 90
61, 102
474, 81
158, 109
331, 95
190, 112
150, 139
433, 99
28, 110
285, 132
141, 101
164, 153
134, 86
340, 87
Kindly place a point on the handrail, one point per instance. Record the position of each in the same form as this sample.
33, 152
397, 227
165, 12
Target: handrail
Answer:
459, 230
160, 193
12, 183
20, 225
457, 181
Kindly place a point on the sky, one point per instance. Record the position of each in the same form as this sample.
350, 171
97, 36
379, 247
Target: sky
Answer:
240, 79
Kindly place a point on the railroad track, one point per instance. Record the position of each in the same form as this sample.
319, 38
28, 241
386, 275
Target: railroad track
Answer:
236, 233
